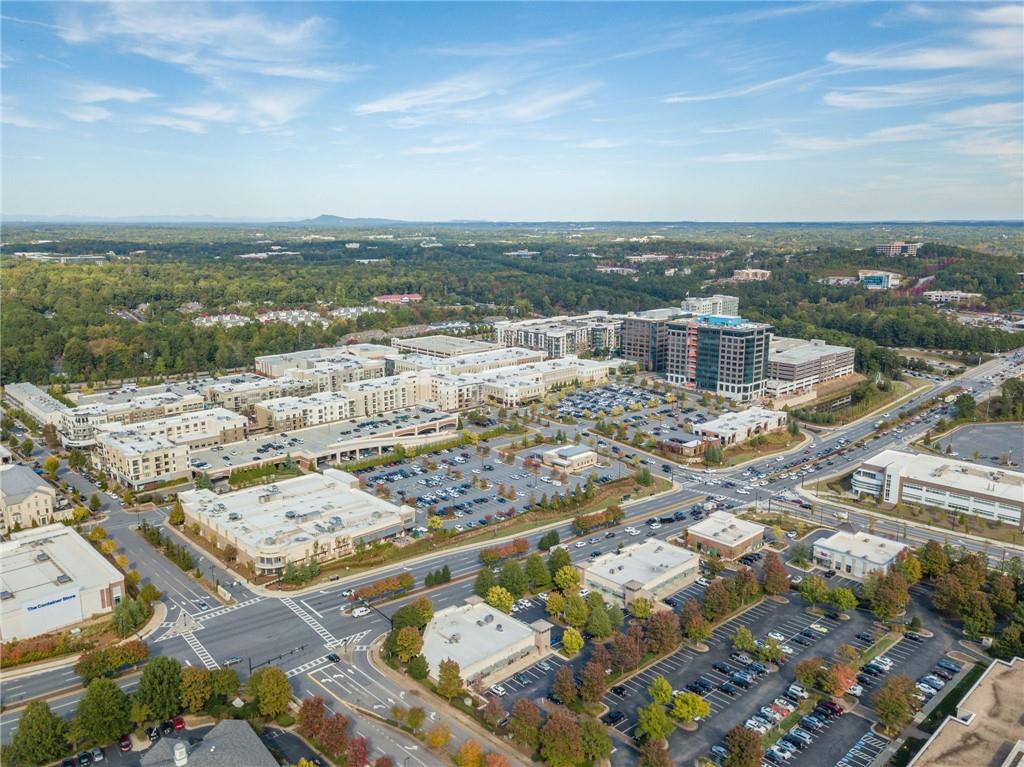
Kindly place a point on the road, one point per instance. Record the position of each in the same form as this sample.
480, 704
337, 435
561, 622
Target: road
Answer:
297, 631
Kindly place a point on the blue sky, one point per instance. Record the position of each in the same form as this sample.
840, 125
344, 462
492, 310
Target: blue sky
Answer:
699, 111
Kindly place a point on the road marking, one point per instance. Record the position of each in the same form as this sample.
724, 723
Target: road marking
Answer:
201, 651
310, 621
311, 609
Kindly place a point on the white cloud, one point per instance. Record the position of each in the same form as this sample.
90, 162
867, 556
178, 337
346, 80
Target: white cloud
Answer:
454, 90
175, 123
538, 105
88, 113
506, 49
1000, 14
601, 143
207, 112
11, 115
985, 115
442, 149
929, 91
749, 89
741, 157
93, 93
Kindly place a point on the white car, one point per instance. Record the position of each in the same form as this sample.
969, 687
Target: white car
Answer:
702, 581
785, 704
742, 492
884, 661
776, 635
927, 690
498, 690
791, 534
633, 532
819, 629
757, 727
655, 525
855, 690
787, 649
359, 612
580, 544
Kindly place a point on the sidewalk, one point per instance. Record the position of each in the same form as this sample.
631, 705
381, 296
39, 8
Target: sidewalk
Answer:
402, 682
30, 669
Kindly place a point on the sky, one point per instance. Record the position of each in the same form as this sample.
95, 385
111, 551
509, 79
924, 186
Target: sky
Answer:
514, 111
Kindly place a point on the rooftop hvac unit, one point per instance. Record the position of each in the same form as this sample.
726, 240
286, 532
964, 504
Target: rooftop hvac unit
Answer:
479, 623
234, 515
42, 556
488, 618
63, 578
454, 638
6, 595
499, 627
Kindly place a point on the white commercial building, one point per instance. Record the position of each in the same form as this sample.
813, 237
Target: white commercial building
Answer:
716, 304
652, 569
36, 403
314, 517
571, 458
875, 279
562, 335
331, 375
478, 362
796, 365
137, 460
26, 499
751, 275
736, 427
485, 642
442, 346
856, 554
953, 297
52, 578
725, 535
897, 248
274, 365
945, 483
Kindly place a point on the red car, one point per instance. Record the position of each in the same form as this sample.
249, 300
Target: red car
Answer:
125, 743
179, 723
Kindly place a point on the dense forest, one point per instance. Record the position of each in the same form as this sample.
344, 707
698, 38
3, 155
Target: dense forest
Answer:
58, 320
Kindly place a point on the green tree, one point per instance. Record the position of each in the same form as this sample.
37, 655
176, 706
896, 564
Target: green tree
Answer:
576, 611
641, 608
743, 640
556, 603
537, 572
745, 748
103, 713
449, 679
689, 707
933, 559
513, 579
598, 624
418, 667
160, 687
95, 504
814, 589
271, 689
572, 641
660, 691
408, 643
500, 599
51, 465
965, 407
597, 745
895, 703
485, 581
567, 578
978, 617
224, 683
196, 687
653, 723
40, 738
177, 515
842, 599
557, 559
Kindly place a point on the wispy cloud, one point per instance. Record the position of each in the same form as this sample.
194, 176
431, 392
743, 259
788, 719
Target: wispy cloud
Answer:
750, 88
175, 123
929, 91
601, 143
87, 113
742, 157
442, 149
94, 93
453, 90
11, 114
506, 49
1007, 113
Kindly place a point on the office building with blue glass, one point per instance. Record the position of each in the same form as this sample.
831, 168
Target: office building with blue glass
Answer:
720, 354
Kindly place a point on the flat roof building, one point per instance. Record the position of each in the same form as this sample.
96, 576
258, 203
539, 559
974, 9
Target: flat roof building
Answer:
314, 517
138, 460
202, 428
275, 365
26, 499
898, 248
52, 578
563, 335
644, 338
796, 365
652, 569
725, 535
78, 425
854, 555
477, 362
716, 304
875, 279
721, 354
485, 642
36, 403
751, 275
571, 458
736, 427
953, 297
442, 345
990, 492
986, 730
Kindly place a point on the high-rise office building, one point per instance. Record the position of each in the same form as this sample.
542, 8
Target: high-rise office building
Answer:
645, 337
721, 354
716, 304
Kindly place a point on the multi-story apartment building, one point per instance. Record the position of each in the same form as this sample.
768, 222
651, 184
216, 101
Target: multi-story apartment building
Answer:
751, 275
645, 337
716, 304
290, 413
139, 460
205, 428
724, 355
35, 402
26, 499
796, 365
480, 362
77, 426
330, 375
897, 248
242, 395
563, 335
441, 345
945, 483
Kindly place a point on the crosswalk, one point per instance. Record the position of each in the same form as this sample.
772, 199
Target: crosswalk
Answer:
329, 639
864, 752
202, 652
217, 612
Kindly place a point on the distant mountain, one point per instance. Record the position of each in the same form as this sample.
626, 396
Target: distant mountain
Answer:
325, 220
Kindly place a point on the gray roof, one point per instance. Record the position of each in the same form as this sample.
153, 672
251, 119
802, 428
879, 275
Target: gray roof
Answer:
18, 482
232, 743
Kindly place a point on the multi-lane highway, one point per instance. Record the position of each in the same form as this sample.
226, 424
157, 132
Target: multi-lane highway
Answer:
297, 631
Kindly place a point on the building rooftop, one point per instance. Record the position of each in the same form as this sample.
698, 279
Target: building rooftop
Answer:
726, 528
641, 562
132, 441
281, 405
804, 351
197, 386
445, 346
571, 451
872, 548
43, 561
27, 393
215, 419
295, 510
988, 729
741, 420
18, 482
470, 633
966, 476
231, 743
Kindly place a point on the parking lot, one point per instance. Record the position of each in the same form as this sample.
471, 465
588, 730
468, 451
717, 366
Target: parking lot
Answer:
991, 442
450, 482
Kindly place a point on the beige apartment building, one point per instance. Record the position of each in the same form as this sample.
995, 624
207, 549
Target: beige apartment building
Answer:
26, 499
137, 460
